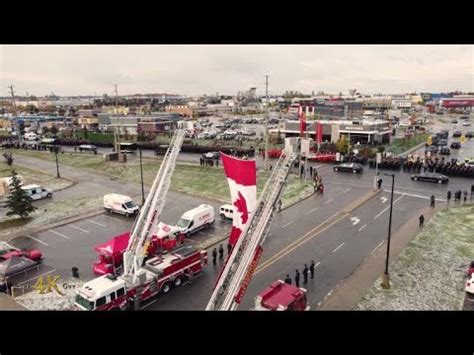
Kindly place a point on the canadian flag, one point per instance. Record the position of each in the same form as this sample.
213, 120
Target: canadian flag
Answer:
242, 179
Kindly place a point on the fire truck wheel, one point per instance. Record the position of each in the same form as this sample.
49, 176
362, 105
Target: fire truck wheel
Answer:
166, 287
178, 281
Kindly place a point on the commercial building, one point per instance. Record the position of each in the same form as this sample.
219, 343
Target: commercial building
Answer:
363, 131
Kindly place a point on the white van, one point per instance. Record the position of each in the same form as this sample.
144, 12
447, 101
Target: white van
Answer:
120, 204
30, 136
37, 192
196, 219
226, 211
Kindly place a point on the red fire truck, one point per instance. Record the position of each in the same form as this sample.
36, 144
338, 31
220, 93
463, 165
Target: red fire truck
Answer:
280, 296
158, 275
110, 253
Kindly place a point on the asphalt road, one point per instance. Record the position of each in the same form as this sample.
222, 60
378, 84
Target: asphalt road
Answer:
314, 229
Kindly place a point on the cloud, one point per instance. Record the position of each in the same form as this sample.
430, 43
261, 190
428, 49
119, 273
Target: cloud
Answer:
198, 69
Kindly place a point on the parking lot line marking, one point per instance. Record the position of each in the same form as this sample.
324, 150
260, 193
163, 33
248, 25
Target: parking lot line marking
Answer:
60, 234
340, 246
119, 220
39, 241
99, 224
328, 201
386, 208
286, 225
78, 228
311, 211
48, 272
365, 225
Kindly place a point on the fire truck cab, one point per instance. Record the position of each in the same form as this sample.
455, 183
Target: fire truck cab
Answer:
158, 275
280, 296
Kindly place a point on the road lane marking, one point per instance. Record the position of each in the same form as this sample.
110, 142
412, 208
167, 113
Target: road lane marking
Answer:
286, 225
119, 220
415, 195
354, 220
386, 208
60, 234
39, 241
328, 201
297, 243
311, 211
99, 224
48, 272
78, 228
340, 246
365, 225
346, 190
378, 246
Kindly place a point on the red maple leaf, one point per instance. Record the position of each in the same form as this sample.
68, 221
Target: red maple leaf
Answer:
241, 205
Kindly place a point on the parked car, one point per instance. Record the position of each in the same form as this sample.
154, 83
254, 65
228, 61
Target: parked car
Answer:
442, 143
464, 117
88, 148
120, 204
37, 192
355, 168
454, 121
444, 150
466, 124
226, 211
469, 134
455, 145
431, 177
211, 155
457, 134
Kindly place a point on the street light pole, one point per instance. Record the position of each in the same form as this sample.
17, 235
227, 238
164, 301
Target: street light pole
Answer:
141, 176
57, 165
386, 276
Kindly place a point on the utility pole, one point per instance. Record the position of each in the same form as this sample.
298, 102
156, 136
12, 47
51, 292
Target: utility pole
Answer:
117, 128
266, 123
27, 100
386, 276
20, 139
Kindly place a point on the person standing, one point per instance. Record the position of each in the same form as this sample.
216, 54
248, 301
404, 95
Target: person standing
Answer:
432, 203
311, 269
311, 171
472, 191
288, 279
214, 256
229, 248
422, 221
221, 252
465, 196
305, 274
297, 278
448, 196
379, 183
279, 206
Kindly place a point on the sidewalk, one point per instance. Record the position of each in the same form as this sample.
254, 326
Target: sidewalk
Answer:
8, 304
350, 291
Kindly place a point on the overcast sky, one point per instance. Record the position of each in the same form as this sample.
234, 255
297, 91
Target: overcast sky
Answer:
196, 69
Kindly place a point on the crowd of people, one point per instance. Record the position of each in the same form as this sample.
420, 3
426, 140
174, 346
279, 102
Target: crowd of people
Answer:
419, 164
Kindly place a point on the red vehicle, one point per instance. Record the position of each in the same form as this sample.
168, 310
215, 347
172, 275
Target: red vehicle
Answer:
280, 296
274, 153
32, 254
159, 274
111, 253
323, 157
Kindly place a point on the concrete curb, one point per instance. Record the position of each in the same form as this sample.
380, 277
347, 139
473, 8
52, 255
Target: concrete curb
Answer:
361, 201
69, 220
352, 289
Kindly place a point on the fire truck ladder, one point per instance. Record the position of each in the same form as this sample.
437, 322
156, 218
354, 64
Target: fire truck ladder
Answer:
149, 215
241, 264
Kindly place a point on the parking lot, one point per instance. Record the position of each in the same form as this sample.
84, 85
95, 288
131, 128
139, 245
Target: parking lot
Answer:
73, 244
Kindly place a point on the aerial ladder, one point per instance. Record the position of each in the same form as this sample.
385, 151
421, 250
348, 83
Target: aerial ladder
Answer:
148, 218
241, 264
